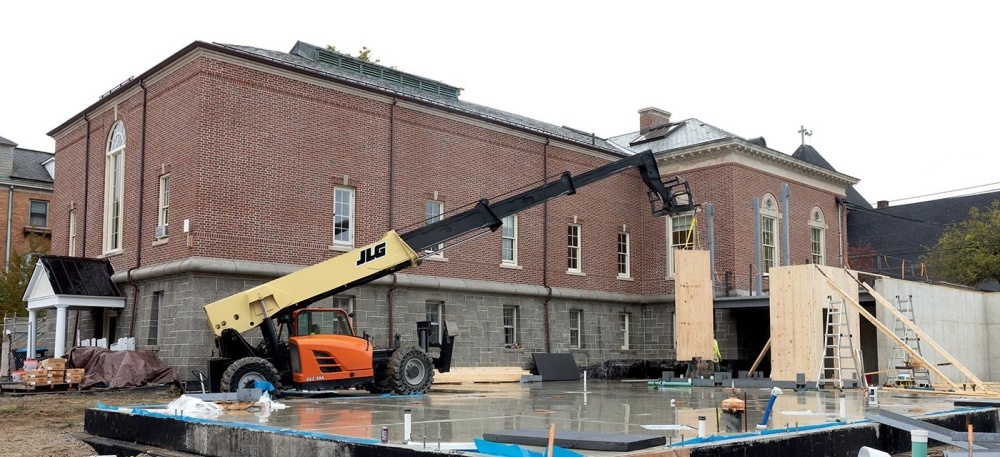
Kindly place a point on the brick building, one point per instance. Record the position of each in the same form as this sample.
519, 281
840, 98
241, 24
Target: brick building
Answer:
26, 178
225, 166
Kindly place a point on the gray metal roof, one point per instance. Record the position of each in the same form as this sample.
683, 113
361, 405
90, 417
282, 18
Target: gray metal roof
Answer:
451, 103
28, 165
677, 135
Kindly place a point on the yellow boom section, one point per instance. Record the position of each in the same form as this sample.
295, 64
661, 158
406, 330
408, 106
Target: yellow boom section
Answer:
242, 311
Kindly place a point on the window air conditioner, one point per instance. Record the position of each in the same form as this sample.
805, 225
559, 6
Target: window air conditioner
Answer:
161, 231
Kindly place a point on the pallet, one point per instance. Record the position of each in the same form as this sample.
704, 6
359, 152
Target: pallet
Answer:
21, 388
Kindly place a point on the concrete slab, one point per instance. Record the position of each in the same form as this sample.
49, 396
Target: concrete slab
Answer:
570, 439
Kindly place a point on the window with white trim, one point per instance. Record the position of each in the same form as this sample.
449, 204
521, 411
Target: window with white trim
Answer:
38, 213
433, 212
508, 248
817, 237
573, 258
114, 167
434, 313
624, 324
343, 216
71, 251
162, 219
624, 256
769, 216
680, 232
510, 321
345, 303
576, 328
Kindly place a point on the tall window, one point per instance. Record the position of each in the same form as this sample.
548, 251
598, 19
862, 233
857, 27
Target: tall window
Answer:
155, 313
510, 339
575, 328
769, 233
573, 263
817, 231
434, 312
624, 256
508, 250
162, 219
71, 251
433, 211
39, 213
114, 165
624, 321
343, 216
681, 232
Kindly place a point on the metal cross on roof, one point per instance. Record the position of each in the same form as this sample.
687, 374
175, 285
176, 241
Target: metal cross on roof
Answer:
803, 133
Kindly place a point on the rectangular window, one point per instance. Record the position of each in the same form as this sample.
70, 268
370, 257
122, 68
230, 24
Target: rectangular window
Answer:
435, 311
344, 303
71, 251
817, 245
575, 328
624, 256
681, 233
624, 320
509, 247
162, 220
113, 198
573, 251
39, 214
768, 241
510, 339
155, 313
343, 216
433, 211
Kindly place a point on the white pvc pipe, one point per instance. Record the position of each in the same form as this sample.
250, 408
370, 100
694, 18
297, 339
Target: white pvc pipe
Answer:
701, 427
407, 425
843, 406
584, 380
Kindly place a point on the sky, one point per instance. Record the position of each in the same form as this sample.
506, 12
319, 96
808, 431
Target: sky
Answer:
899, 95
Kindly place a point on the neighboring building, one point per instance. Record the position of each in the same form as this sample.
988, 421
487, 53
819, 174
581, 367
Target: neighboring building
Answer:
26, 178
225, 166
891, 240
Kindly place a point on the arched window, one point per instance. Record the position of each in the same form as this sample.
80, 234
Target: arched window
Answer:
769, 216
817, 236
114, 165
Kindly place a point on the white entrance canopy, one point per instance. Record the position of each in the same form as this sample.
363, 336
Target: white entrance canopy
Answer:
66, 283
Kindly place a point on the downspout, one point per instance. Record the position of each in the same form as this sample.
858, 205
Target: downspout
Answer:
545, 248
710, 215
10, 203
786, 193
758, 278
391, 296
86, 185
138, 236
840, 229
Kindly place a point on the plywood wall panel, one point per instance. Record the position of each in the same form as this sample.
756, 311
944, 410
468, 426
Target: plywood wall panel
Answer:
694, 310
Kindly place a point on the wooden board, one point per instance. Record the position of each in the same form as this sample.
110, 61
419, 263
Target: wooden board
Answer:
694, 312
798, 296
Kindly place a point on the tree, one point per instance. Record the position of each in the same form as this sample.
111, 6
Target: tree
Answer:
969, 252
14, 280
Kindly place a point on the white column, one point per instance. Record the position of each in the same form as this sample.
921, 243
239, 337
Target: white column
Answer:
32, 321
60, 349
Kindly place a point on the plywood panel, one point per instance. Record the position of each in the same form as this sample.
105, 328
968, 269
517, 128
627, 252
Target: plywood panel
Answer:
798, 296
694, 311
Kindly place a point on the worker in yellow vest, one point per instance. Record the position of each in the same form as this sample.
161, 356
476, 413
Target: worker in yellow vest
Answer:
718, 355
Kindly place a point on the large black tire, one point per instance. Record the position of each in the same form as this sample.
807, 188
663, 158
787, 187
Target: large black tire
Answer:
243, 372
411, 371
381, 384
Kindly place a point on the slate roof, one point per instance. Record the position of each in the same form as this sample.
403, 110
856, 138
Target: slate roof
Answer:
689, 132
80, 276
807, 153
905, 232
28, 165
451, 103
6, 142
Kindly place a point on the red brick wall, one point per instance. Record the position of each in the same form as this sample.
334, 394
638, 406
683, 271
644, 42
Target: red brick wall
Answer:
253, 159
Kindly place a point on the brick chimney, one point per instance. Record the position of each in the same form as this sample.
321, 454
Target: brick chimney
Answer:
653, 117
882, 204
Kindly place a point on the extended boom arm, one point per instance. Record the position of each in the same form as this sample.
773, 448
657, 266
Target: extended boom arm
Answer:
246, 310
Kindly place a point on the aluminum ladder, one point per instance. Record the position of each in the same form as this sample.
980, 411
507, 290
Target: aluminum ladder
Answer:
899, 359
839, 355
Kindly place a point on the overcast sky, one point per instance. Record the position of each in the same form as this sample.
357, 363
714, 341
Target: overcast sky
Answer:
901, 95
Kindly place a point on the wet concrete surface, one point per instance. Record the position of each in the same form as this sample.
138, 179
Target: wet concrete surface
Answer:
460, 413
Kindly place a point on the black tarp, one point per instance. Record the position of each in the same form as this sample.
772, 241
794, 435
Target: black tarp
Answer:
115, 369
